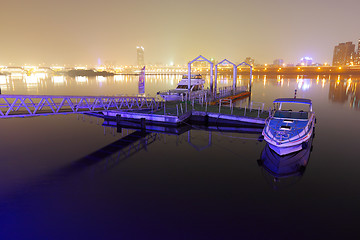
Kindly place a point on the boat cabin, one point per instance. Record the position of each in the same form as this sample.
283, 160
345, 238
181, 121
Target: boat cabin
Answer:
292, 108
197, 83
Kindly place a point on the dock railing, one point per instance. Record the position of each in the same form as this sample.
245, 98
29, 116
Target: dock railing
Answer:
229, 91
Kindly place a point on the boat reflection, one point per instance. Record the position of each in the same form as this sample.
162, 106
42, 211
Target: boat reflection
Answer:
283, 171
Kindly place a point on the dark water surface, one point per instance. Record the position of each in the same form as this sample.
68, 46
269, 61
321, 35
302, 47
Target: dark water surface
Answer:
68, 177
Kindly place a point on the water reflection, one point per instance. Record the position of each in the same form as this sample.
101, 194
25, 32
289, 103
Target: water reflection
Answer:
60, 80
341, 89
283, 171
81, 79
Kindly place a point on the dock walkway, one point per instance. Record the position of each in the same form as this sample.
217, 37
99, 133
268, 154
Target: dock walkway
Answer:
175, 114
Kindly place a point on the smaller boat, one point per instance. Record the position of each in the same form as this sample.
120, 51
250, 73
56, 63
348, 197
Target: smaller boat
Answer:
288, 130
181, 91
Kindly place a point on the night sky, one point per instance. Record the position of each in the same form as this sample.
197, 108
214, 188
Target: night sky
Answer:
89, 31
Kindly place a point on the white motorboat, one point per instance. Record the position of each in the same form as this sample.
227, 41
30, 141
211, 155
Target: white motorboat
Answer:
181, 91
288, 130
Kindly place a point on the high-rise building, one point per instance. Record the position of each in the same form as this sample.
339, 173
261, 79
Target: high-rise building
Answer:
357, 55
278, 62
306, 61
344, 54
140, 56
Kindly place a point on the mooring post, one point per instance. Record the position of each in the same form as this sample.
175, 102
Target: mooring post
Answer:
118, 126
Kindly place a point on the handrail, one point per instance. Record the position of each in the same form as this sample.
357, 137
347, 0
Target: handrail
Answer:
36, 105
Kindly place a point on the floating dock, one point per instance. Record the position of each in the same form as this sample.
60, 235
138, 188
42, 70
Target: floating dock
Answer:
182, 113
237, 96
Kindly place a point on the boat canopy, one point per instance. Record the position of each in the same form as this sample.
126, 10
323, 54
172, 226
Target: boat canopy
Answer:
293, 100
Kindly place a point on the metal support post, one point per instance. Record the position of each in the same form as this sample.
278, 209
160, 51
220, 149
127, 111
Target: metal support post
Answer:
189, 79
118, 125
165, 108
211, 76
142, 124
234, 77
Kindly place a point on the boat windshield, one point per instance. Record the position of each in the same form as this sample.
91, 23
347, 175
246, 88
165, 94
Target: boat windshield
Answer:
291, 114
198, 76
196, 87
182, 87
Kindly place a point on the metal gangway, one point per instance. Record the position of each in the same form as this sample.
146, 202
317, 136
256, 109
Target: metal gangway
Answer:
43, 105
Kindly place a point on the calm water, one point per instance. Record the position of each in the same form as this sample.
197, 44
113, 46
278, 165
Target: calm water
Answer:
69, 177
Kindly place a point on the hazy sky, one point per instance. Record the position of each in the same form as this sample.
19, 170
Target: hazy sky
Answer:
83, 31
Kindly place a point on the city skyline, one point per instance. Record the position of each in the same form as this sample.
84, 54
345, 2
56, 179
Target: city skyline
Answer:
83, 32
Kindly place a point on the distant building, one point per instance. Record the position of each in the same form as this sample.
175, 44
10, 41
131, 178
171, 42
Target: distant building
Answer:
278, 62
344, 54
249, 61
140, 56
357, 55
306, 61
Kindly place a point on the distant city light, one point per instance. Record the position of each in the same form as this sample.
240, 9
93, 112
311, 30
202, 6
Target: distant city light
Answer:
80, 68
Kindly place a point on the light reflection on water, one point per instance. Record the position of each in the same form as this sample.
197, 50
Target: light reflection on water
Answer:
71, 171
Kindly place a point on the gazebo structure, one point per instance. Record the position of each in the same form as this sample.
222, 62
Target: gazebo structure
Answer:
225, 61
201, 59
213, 89
244, 63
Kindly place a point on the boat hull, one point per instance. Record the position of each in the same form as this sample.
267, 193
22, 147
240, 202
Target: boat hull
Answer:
286, 150
172, 97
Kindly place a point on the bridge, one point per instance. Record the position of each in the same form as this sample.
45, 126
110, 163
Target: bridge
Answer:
44, 105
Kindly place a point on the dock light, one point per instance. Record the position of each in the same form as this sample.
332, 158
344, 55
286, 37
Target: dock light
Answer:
319, 68
339, 67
